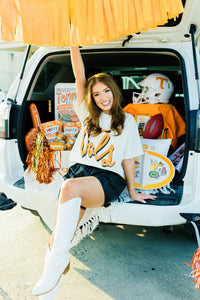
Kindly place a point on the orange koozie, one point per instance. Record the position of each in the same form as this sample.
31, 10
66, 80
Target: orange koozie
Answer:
34, 115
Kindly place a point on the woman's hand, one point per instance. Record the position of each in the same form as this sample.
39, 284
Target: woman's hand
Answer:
140, 197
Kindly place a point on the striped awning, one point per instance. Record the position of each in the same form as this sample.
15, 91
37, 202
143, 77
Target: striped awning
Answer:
81, 22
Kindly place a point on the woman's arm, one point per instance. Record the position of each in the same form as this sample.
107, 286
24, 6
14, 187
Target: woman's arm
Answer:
79, 73
129, 171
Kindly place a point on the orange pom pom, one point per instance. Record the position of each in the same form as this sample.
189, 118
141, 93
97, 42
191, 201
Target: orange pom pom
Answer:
195, 263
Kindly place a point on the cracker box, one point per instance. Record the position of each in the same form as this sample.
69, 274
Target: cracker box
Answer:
65, 97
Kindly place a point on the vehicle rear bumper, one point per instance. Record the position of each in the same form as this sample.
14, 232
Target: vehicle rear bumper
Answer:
44, 204
44, 201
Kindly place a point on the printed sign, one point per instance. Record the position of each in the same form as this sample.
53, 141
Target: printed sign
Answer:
65, 97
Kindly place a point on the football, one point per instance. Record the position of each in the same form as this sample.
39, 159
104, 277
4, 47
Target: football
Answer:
153, 127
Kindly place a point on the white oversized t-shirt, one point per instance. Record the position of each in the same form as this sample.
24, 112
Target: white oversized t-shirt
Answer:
106, 150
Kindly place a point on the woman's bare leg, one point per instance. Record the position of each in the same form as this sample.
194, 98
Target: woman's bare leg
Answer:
89, 189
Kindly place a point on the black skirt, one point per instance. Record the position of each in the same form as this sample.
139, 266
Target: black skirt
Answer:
112, 183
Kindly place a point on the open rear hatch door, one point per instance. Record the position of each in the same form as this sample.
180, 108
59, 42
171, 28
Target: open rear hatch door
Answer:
176, 30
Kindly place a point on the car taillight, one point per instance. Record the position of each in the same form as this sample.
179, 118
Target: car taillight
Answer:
4, 119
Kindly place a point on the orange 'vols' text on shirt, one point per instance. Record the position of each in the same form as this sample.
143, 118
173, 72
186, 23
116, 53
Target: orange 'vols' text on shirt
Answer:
87, 148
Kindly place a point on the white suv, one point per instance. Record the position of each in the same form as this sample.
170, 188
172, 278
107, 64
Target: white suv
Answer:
170, 50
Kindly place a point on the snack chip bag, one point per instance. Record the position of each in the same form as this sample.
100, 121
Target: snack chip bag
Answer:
56, 146
71, 130
51, 129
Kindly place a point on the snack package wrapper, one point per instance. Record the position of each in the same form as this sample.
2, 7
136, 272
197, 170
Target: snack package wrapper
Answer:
51, 129
57, 146
59, 142
71, 130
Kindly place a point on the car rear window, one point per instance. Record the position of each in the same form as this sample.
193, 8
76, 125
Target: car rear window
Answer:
128, 67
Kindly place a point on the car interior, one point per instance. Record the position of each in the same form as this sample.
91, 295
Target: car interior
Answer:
127, 66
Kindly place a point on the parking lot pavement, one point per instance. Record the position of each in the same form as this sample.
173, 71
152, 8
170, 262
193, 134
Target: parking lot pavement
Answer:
115, 262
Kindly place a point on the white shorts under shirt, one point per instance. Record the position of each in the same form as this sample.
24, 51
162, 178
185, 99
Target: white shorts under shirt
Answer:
107, 150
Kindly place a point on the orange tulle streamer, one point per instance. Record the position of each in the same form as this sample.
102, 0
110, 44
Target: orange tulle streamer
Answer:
51, 22
195, 263
41, 160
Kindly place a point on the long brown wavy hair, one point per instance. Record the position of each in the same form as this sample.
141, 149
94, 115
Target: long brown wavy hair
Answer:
117, 113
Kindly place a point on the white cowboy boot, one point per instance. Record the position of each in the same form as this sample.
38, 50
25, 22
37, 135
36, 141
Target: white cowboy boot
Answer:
57, 259
50, 295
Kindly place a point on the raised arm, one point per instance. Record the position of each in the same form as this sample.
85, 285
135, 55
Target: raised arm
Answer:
79, 73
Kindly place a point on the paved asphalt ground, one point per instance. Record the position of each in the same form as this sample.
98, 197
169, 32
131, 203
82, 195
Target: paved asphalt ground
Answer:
115, 262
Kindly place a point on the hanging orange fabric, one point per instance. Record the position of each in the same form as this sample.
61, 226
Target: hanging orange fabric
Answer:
8, 14
49, 23
43, 24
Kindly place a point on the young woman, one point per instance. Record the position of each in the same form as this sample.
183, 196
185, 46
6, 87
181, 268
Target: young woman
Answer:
102, 156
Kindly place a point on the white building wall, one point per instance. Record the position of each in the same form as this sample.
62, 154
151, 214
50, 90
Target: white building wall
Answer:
10, 65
